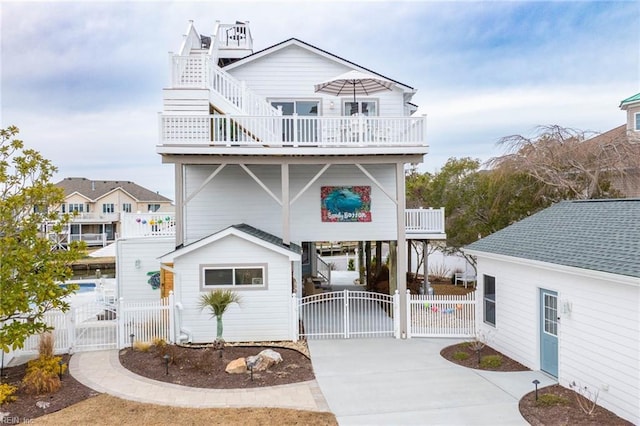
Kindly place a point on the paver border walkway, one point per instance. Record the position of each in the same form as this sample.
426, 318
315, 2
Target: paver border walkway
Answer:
102, 371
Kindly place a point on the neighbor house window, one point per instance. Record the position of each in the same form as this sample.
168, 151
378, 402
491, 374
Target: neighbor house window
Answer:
489, 299
233, 276
151, 208
637, 123
108, 208
126, 207
76, 208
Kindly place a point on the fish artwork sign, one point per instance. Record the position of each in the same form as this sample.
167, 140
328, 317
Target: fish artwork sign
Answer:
345, 203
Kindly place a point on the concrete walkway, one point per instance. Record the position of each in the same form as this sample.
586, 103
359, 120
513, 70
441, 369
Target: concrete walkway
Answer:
103, 372
407, 382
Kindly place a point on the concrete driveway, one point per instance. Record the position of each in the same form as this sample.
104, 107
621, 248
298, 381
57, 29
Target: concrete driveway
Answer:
406, 382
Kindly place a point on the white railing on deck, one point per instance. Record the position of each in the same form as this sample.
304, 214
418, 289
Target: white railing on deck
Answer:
147, 224
441, 315
200, 71
419, 221
233, 36
296, 131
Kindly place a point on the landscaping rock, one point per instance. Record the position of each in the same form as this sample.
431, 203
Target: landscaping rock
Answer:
264, 360
237, 366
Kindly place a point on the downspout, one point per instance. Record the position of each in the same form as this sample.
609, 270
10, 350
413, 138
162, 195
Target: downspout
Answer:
184, 333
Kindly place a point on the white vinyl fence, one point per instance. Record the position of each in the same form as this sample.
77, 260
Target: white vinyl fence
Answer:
146, 321
441, 316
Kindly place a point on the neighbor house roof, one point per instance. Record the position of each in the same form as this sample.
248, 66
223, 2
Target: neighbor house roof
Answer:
599, 235
245, 232
95, 189
630, 100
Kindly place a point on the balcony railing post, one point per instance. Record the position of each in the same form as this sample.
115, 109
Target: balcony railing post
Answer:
295, 130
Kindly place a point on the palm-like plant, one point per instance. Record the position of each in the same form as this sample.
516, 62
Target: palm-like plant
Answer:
217, 302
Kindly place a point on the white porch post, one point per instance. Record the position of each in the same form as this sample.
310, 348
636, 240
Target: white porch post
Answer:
401, 247
286, 237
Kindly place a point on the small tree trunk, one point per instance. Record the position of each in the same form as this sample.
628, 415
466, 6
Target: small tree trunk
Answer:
219, 327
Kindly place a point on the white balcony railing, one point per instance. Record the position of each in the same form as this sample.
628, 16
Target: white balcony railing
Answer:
147, 225
95, 217
424, 221
417, 221
285, 131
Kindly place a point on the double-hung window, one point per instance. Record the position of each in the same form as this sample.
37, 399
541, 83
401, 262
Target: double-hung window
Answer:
152, 208
126, 207
76, 207
240, 276
636, 126
489, 299
108, 208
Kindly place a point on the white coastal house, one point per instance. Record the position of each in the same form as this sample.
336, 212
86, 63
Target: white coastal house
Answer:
561, 293
265, 167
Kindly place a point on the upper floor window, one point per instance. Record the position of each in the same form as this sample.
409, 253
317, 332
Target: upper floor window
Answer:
361, 107
489, 299
108, 208
76, 207
152, 208
637, 121
126, 207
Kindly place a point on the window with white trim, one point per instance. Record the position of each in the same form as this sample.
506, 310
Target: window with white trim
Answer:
249, 276
126, 207
76, 207
152, 208
637, 121
369, 108
108, 208
489, 299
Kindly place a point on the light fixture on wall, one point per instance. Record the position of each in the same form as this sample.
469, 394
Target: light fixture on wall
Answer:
138, 263
567, 307
332, 105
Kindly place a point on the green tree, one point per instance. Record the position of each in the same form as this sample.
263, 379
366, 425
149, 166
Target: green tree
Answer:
217, 302
30, 266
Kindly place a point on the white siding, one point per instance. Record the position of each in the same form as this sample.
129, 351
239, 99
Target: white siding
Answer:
133, 282
263, 314
292, 72
598, 341
233, 197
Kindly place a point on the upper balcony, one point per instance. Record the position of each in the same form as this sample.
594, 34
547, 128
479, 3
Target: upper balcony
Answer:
278, 135
419, 224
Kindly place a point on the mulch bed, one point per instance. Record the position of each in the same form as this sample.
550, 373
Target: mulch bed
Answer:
204, 367
537, 414
508, 364
25, 408
568, 413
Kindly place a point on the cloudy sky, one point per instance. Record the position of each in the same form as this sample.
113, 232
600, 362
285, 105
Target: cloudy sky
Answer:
83, 80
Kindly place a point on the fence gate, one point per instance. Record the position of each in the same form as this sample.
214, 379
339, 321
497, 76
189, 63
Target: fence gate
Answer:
348, 314
94, 327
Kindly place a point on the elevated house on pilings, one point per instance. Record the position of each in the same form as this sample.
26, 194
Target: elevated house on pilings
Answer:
266, 166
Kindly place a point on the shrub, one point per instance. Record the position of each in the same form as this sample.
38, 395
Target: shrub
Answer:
158, 342
551, 399
45, 345
142, 346
491, 361
351, 265
7, 393
460, 355
43, 375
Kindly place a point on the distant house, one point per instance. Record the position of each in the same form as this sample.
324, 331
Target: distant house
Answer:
629, 184
100, 203
561, 293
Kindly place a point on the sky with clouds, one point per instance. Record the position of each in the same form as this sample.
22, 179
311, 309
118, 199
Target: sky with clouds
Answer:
83, 80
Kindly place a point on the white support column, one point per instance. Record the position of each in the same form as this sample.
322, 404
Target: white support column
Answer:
401, 246
286, 231
180, 203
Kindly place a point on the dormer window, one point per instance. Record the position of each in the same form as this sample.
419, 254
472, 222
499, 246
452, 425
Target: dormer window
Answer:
636, 126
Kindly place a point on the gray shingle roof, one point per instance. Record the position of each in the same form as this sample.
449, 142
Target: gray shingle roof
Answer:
599, 235
265, 236
94, 189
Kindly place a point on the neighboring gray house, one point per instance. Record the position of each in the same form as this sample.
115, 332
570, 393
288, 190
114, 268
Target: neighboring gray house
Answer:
561, 293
